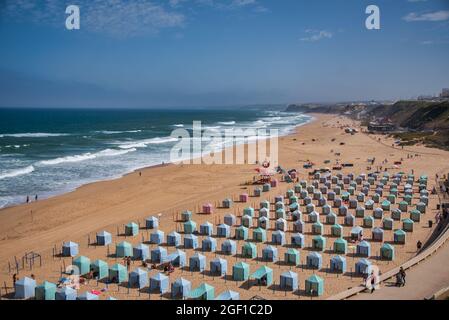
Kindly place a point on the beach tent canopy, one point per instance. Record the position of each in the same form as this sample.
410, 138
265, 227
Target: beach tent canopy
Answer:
25, 288
230, 220
104, 238
363, 249
141, 252
259, 235
206, 228
249, 250
70, 249
227, 203
209, 244
173, 239
157, 237
123, 249
314, 260
240, 271
315, 285
289, 281
338, 264
177, 258
186, 215
363, 266
228, 295
158, 255
297, 239
159, 282
292, 256
248, 211
151, 222
83, 264
340, 246
100, 269
223, 230
138, 278
263, 275
203, 292
46, 291
241, 233
87, 296
219, 266
66, 293
132, 229
270, 253
190, 241
118, 273
278, 237
387, 252
229, 247
189, 227
197, 262
181, 288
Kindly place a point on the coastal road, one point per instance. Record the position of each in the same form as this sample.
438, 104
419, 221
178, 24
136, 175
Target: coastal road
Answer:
423, 280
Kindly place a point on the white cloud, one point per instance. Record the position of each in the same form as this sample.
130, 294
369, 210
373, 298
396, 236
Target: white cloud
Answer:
317, 35
118, 18
430, 16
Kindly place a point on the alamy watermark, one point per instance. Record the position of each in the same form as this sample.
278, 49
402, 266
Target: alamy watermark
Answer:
73, 20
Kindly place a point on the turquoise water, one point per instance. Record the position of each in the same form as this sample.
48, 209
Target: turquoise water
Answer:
48, 152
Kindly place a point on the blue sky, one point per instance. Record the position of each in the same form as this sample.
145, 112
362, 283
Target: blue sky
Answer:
157, 53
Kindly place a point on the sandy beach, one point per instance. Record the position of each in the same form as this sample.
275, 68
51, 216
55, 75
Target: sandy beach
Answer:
168, 190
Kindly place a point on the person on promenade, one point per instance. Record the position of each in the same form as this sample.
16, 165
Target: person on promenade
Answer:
419, 245
373, 282
403, 275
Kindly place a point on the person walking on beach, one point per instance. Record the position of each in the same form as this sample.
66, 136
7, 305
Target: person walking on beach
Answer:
35, 198
373, 282
14, 279
403, 275
419, 245
128, 263
28, 199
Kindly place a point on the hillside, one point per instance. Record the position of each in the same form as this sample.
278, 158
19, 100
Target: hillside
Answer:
423, 121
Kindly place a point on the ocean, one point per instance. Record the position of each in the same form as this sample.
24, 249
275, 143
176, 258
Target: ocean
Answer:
47, 152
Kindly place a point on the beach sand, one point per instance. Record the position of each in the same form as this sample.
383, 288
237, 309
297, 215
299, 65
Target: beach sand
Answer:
168, 190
